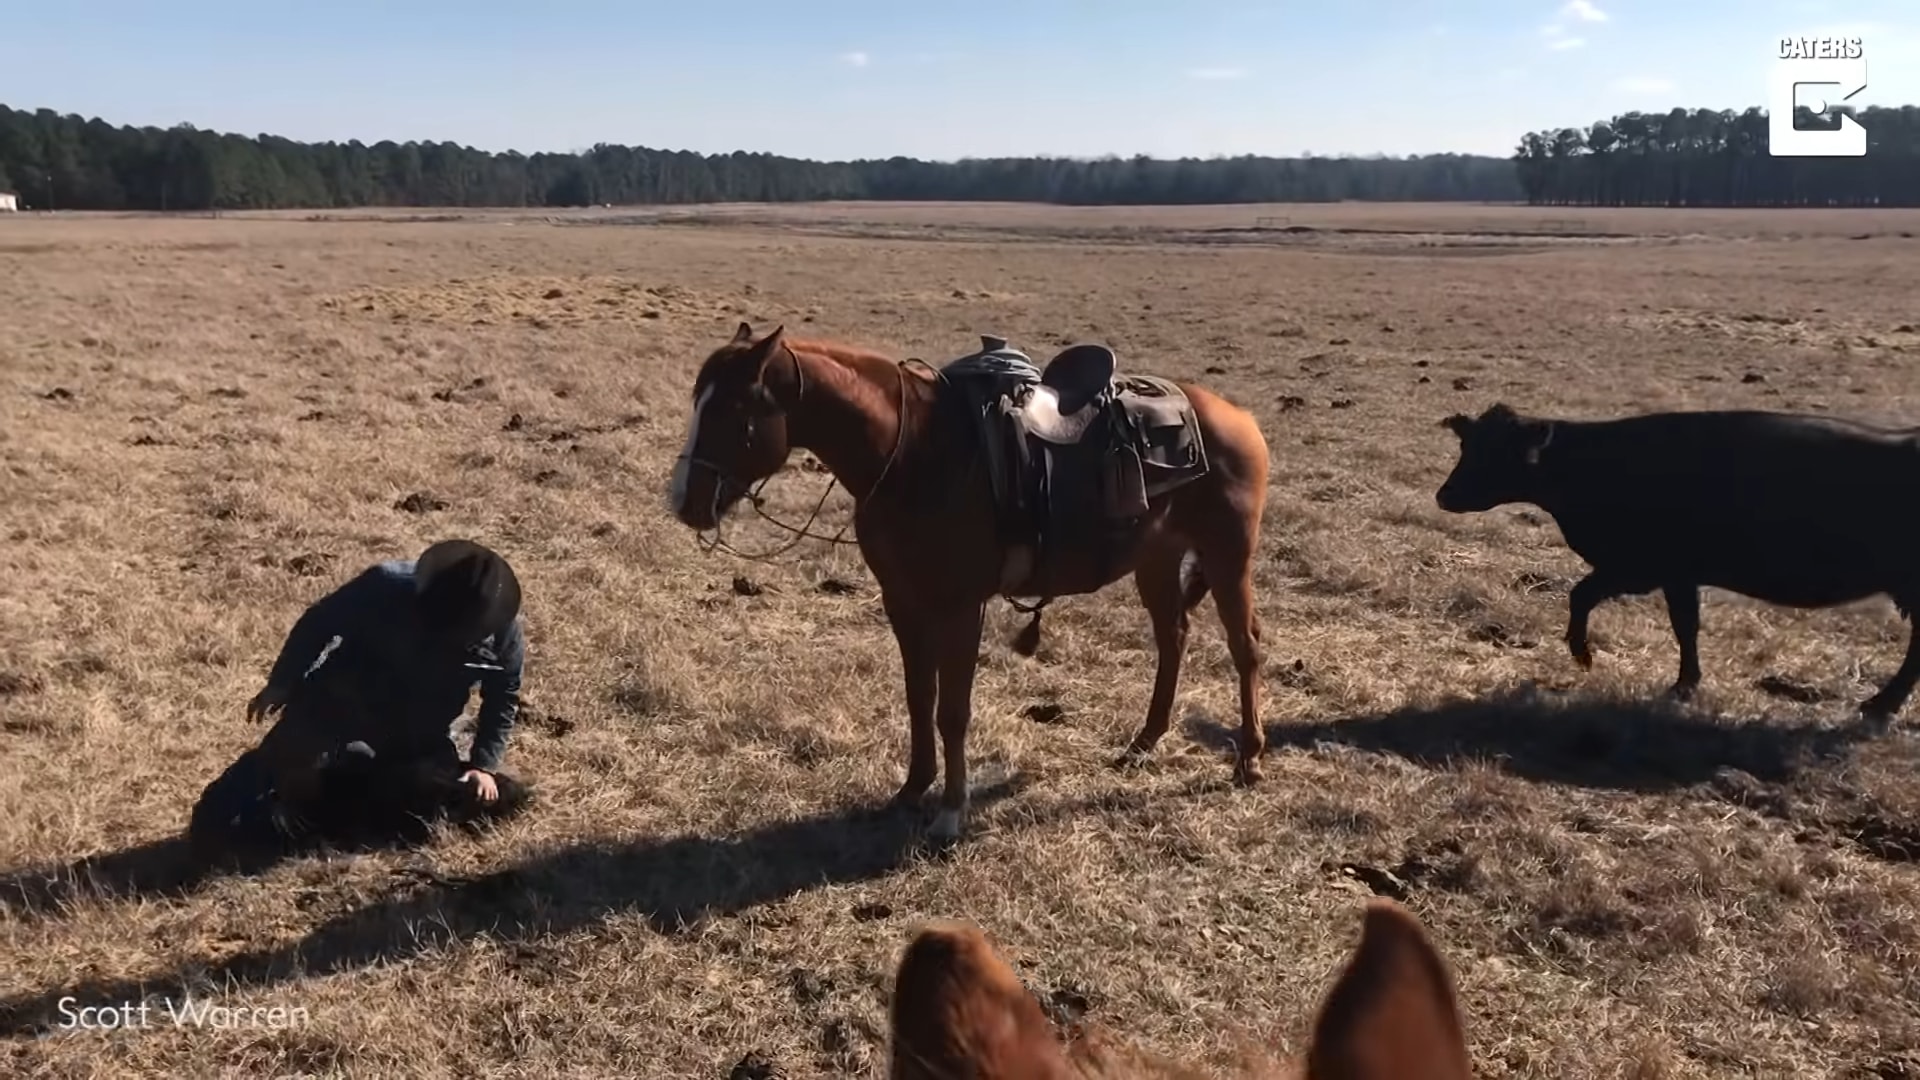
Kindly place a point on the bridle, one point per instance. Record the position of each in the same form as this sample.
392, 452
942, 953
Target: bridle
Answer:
724, 479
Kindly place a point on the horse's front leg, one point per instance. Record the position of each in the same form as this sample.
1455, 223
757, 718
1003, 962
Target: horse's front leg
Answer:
919, 662
957, 646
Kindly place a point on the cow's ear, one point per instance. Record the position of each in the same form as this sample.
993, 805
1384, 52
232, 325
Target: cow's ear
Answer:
1458, 424
1538, 436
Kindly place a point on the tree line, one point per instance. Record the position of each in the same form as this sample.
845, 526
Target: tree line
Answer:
1706, 157
67, 161
1691, 158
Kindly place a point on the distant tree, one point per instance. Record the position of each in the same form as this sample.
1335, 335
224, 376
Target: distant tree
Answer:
93, 165
1677, 158
1706, 157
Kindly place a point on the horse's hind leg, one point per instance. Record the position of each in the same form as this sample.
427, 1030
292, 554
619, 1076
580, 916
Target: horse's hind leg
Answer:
1168, 599
1226, 557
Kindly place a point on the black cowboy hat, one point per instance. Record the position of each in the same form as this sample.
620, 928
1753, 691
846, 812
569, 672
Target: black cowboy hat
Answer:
466, 590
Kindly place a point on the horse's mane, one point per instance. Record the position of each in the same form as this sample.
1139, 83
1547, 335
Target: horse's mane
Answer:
939, 432
839, 351
875, 371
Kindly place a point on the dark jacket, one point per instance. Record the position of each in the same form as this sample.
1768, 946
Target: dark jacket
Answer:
375, 656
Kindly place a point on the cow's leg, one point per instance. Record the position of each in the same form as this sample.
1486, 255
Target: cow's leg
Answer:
917, 659
1881, 707
957, 650
1157, 579
1683, 611
1592, 590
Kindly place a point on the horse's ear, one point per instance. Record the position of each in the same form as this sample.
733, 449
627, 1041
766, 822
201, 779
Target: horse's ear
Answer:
779, 368
742, 335
959, 1010
1392, 1012
1458, 424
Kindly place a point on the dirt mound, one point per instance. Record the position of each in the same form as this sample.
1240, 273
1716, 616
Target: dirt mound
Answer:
541, 301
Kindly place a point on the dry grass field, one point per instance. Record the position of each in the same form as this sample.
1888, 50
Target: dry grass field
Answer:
206, 424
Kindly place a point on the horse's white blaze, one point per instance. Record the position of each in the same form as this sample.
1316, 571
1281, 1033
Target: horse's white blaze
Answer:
683, 468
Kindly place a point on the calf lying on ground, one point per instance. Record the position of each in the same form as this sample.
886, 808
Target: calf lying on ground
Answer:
1802, 511
960, 1012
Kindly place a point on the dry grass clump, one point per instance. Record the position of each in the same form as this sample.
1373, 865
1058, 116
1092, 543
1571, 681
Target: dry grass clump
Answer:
206, 424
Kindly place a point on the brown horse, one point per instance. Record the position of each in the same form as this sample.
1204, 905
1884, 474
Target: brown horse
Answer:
958, 1010
924, 517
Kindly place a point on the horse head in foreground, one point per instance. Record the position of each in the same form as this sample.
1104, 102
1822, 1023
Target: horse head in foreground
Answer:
992, 477
959, 1010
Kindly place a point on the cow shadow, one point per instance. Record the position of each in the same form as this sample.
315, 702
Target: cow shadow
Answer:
674, 883
1621, 744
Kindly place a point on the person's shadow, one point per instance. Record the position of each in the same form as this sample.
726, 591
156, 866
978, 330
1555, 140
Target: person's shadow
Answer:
357, 817
167, 869
151, 870
673, 883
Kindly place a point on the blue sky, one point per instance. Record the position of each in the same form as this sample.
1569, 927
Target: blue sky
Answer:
860, 78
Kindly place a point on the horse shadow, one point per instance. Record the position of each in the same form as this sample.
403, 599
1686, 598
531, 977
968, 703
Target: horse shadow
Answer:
674, 883
1621, 744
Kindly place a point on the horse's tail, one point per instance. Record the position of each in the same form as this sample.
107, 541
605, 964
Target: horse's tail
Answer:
1193, 581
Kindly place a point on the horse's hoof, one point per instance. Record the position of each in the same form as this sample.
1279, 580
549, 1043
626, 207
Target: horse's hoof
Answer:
1247, 773
946, 826
1132, 758
1581, 655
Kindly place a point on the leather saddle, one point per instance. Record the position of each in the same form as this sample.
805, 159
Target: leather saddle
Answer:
1076, 451
1074, 388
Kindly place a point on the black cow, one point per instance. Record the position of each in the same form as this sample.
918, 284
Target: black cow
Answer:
1798, 510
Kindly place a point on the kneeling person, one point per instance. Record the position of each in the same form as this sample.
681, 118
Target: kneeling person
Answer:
366, 689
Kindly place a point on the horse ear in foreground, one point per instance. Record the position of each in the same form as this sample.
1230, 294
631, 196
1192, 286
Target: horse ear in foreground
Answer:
959, 1010
1801, 510
992, 477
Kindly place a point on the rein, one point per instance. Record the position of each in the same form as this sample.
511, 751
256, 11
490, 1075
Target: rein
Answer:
804, 531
